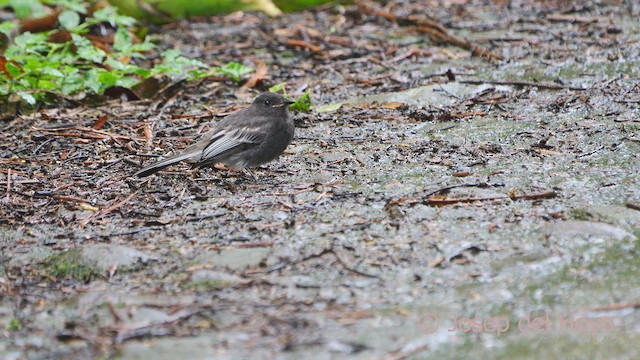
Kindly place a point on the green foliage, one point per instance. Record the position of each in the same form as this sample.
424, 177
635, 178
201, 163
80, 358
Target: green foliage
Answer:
234, 70
110, 16
69, 19
175, 65
73, 5
302, 103
26, 8
13, 325
163, 11
6, 27
296, 5
38, 70
278, 88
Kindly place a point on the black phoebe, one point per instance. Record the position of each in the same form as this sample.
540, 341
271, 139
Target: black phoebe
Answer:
248, 137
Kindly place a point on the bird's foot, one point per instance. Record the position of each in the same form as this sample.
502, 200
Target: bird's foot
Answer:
248, 171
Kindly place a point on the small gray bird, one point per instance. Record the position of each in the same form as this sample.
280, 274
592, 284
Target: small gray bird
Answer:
246, 138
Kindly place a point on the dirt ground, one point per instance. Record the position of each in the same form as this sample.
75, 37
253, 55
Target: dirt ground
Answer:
434, 204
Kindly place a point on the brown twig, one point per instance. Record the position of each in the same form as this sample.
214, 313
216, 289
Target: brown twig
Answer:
535, 196
468, 114
146, 329
102, 132
83, 133
403, 354
305, 45
14, 172
541, 85
543, 195
350, 268
115, 205
71, 199
112, 309
317, 255
431, 27
254, 245
451, 201
306, 258
573, 18
8, 182
615, 307
13, 161
76, 135
449, 187
55, 127
632, 206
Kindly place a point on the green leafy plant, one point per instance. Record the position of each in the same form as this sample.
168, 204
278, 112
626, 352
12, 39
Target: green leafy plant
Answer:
303, 102
25, 8
36, 69
234, 70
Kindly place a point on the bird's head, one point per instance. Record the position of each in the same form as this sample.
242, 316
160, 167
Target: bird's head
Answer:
271, 100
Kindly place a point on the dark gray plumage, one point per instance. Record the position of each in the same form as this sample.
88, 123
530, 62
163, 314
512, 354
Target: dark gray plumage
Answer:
246, 138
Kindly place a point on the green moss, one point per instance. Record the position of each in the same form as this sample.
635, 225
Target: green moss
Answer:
70, 265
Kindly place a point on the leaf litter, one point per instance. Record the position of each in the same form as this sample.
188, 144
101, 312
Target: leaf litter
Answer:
347, 241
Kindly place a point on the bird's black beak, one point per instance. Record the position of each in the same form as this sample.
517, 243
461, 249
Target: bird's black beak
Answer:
286, 102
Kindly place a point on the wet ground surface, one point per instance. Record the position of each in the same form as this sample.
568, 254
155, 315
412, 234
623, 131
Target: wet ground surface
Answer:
433, 205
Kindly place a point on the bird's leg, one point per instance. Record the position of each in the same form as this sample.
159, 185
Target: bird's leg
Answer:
248, 171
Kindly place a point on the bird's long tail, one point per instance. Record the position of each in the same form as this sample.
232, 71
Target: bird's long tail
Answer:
155, 167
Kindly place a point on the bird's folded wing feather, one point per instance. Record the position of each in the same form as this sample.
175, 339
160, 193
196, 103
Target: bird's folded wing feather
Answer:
228, 139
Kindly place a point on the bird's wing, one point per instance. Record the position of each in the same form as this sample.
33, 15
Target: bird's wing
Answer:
227, 140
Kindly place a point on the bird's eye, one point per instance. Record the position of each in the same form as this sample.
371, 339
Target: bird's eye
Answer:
267, 102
